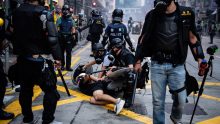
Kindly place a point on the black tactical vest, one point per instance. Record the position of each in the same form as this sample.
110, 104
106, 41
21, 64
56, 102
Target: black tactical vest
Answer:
166, 34
29, 35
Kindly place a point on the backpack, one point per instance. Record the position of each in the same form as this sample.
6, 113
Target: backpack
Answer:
96, 26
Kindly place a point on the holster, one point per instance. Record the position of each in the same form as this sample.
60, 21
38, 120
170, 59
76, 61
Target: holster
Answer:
49, 75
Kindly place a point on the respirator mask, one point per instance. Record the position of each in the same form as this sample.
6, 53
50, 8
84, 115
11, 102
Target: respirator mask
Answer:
161, 5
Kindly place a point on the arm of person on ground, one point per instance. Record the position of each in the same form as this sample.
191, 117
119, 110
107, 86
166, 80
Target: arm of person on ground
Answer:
89, 64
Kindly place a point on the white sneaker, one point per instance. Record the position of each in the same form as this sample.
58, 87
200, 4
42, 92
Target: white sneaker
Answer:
56, 122
119, 106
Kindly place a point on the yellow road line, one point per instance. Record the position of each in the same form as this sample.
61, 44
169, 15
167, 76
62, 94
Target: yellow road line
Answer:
15, 106
76, 59
124, 112
215, 120
59, 103
211, 83
132, 115
87, 46
65, 77
210, 97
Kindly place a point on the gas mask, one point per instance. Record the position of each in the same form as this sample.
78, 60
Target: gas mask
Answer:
161, 5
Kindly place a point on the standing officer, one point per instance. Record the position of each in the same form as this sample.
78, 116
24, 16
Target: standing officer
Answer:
35, 34
124, 58
167, 32
3, 81
117, 30
66, 28
95, 25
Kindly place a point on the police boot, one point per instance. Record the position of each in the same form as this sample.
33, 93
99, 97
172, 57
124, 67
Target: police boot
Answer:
6, 115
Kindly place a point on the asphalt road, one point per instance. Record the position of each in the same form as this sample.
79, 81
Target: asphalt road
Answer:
77, 110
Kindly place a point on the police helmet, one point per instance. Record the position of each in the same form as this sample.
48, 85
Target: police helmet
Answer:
95, 13
98, 47
65, 10
117, 15
117, 42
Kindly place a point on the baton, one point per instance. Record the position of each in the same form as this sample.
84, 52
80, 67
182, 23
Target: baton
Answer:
64, 83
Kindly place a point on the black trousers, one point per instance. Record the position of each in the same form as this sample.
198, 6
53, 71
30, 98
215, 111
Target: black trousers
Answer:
66, 45
3, 83
30, 73
94, 38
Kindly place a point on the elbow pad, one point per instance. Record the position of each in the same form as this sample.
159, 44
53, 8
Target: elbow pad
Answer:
197, 50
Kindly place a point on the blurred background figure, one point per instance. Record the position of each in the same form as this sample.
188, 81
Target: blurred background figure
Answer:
212, 31
130, 23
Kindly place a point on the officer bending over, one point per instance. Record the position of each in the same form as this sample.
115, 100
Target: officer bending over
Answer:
124, 58
101, 56
66, 28
117, 30
97, 88
35, 34
167, 32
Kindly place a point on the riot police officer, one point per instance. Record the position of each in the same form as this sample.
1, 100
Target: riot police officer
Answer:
66, 28
95, 25
3, 81
117, 30
101, 55
35, 35
124, 58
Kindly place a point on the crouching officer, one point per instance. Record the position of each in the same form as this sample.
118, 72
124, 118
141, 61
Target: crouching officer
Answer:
35, 34
66, 28
3, 81
117, 30
101, 56
124, 58
167, 32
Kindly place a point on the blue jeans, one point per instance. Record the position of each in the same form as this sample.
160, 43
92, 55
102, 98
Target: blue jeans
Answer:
161, 76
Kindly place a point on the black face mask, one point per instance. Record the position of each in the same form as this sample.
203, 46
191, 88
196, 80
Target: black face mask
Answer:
161, 5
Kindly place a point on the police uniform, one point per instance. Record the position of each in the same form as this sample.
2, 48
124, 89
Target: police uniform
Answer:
116, 30
35, 34
3, 81
66, 38
124, 59
96, 25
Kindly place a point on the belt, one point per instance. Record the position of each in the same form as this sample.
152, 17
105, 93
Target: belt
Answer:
163, 57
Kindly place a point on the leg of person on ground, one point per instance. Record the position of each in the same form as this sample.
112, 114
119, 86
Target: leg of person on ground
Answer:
99, 98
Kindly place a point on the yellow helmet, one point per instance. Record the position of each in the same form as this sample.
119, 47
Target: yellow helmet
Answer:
1, 22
